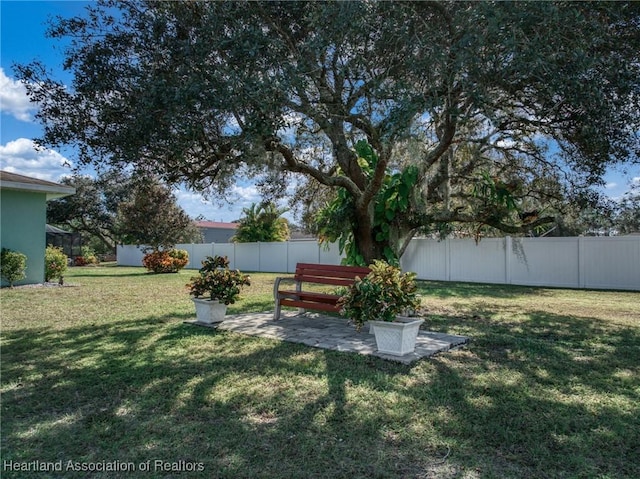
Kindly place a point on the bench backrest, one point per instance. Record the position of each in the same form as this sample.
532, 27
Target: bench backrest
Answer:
329, 274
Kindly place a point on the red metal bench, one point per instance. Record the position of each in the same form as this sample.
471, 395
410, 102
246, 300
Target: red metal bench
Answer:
315, 274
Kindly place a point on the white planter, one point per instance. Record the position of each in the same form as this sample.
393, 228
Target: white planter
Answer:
208, 311
397, 338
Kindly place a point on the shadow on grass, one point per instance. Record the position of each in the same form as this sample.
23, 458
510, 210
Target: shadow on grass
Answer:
550, 393
524, 400
450, 289
136, 390
108, 274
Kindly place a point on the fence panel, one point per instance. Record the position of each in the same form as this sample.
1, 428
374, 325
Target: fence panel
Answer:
477, 262
302, 252
129, 255
225, 249
611, 263
197, 253
427, 258
545, 262
273, 257
247, 256
329, 254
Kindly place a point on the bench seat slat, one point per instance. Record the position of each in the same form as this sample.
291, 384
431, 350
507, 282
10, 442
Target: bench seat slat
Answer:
326, 274
309, 296
332, 268
326, 280
309, 305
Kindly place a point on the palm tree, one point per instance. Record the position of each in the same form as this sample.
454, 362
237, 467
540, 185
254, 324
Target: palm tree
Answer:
262, 222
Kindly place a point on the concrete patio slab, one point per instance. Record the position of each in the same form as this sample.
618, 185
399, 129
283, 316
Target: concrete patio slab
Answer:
328, 332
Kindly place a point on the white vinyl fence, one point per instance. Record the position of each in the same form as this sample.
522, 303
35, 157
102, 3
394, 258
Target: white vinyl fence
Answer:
280, 257
576, 262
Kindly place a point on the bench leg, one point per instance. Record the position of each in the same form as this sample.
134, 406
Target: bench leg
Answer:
276, 314
299, 289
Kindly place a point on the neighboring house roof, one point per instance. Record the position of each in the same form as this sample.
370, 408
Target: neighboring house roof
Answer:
299, 236
216, 224
57, 231
14, 181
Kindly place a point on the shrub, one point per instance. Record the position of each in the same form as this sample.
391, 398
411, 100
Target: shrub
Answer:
217, 282
89, 256
55, 264
170, 261
13, 265
180, 258
380, 296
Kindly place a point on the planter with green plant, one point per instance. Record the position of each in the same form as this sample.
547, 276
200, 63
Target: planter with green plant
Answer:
381, 298
215, 288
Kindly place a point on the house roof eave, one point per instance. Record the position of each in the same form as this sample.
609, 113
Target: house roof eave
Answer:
13, 181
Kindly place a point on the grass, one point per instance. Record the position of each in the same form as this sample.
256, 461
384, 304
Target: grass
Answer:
105, 370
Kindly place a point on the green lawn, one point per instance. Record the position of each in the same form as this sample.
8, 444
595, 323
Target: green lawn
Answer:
105, 370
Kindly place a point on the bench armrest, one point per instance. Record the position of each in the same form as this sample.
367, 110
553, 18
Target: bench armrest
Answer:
276, 284
276, 296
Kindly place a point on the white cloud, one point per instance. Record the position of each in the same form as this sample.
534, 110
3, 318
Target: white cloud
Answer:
240, 197
22, 156
195, 204
610, 185
13, 98
245, 195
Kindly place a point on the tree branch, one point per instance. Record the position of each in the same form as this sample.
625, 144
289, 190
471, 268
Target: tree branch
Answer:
292, 164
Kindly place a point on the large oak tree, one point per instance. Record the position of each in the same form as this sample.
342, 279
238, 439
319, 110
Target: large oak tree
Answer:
460, 102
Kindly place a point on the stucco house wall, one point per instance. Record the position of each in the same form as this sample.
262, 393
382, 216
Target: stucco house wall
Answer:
216, 232
23, 217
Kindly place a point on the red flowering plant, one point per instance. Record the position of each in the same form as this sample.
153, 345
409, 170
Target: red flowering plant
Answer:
217, 282
170, 261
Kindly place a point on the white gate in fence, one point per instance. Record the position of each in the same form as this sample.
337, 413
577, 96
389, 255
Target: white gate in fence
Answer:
576, 262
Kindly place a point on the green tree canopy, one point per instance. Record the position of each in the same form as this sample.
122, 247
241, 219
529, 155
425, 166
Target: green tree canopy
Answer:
93, 209
470, 94
627, 219
152, 218
262, 222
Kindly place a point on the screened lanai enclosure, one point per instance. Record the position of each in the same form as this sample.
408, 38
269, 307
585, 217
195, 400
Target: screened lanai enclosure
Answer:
71, 243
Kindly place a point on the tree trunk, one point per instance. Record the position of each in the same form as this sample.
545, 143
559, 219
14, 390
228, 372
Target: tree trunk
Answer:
369, 248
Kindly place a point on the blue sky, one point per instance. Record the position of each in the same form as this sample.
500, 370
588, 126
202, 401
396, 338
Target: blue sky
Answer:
23, 26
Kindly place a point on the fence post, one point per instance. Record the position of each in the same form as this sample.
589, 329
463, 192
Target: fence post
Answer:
259, 257
447, 263
507, 259
581, 261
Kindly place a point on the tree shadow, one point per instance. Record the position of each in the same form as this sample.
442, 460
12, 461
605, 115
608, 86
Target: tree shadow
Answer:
125, 391
508, 406
455, 289
525, 398
109, 274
